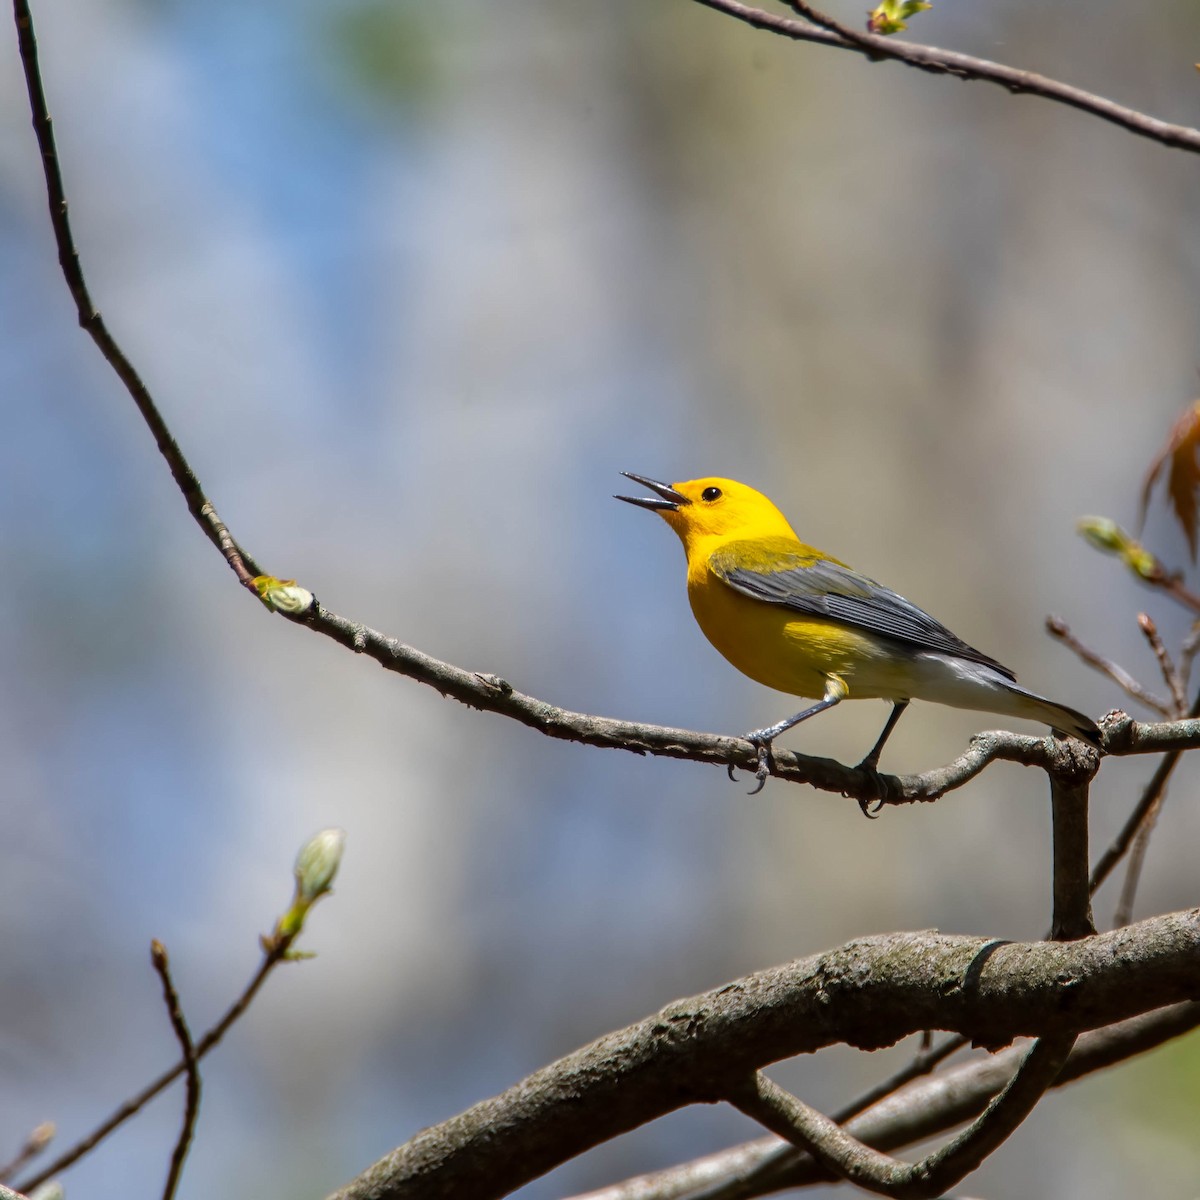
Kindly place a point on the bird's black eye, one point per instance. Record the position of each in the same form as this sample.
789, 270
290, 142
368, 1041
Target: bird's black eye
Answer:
710, 494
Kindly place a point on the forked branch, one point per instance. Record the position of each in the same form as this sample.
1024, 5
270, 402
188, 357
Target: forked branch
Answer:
868, 993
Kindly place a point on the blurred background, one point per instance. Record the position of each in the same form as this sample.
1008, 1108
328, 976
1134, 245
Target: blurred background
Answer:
412, 283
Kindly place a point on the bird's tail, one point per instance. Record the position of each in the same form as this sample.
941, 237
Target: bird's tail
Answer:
1058, 716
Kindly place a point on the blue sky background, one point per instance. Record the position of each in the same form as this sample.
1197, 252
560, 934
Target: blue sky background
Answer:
412, 283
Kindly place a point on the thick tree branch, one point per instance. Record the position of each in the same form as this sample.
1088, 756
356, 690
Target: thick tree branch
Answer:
920, 1111
748, 1174
868, 993
960, 66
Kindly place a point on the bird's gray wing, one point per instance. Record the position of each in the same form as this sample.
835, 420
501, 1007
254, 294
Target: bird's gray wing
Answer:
824, 587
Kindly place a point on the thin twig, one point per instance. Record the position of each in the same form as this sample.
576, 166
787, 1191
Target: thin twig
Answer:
1172, 583
1187, 654
274, 952
494, 694
965, 66
37, 1141
158, 957
860, 39
92, 322
1150, 799
841, 1152
1057, 628
1123, 913
1165, 665
923, 1063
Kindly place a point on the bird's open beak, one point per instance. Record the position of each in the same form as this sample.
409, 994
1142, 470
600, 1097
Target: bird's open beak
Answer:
670, 499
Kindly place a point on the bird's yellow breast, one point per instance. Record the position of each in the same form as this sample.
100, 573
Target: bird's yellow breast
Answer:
789, 651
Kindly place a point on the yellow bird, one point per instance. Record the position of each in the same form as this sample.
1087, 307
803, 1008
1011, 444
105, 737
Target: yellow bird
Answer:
804, 623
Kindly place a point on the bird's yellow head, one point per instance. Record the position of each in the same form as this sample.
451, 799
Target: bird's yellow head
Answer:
709, 510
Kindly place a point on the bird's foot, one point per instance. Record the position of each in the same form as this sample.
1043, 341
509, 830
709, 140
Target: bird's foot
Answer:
876, 789
762, 743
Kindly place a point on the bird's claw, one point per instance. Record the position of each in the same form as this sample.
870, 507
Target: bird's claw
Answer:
763, 767
878, 789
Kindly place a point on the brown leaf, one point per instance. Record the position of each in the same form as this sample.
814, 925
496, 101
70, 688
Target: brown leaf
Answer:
1183, 474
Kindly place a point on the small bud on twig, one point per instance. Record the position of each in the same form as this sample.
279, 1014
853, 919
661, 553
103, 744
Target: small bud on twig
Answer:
316, 865
283, 595
1108, 536
891, 16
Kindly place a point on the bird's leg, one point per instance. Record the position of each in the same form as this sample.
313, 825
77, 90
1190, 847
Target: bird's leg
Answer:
835, 691
871, 762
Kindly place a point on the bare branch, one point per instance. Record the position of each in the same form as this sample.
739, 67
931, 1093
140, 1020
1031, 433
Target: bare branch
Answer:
275, 951
963, 66
491, 693
1151, 795
868, 993
1165, 665
1057, 628
1123, 913
158, 957
922, 1110
1148, 804
845, 1156
1188, 652
37, 1141
1072, 896
783, 1155
92, 322
1123, 735
1068, 851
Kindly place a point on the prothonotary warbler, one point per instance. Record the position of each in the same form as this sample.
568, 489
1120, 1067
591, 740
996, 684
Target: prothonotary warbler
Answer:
804, 623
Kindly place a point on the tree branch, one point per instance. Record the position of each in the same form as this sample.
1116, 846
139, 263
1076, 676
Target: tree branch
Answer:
961, 66
158, 957
37, 1141
90, 319
1117, 731
1057, 628
845, 1156
922, 1110
868, 993
275, 951
1170, 674
749, 1173
1135, 834
1072, 894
